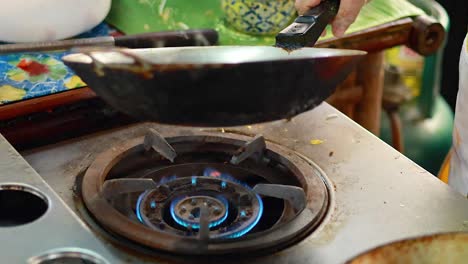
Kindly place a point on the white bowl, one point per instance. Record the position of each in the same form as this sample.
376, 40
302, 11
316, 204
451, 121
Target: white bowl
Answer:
43, 20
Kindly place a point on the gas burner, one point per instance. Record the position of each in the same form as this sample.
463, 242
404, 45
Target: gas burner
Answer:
205, 194
184, 205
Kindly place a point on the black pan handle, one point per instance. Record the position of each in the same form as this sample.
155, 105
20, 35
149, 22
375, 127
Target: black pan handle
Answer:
196, 37
306, 29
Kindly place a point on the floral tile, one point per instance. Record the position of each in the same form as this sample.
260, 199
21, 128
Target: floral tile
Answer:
30, 75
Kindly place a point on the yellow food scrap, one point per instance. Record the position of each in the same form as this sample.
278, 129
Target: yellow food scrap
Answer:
316, 142
74, 82
10, 93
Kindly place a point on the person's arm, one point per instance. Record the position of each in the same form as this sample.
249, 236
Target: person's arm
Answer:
349, 10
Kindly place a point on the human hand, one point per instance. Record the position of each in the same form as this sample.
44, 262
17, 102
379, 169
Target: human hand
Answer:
347, 14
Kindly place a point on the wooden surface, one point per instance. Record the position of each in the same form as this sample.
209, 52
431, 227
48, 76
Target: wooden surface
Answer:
60, 123
45, 103
360, 95
374, 39
423, 34
347, 96
370, 76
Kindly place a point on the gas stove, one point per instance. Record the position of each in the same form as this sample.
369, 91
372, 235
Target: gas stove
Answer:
314, 189
204, 194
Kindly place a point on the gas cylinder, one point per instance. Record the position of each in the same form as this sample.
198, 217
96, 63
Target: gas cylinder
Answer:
427, 119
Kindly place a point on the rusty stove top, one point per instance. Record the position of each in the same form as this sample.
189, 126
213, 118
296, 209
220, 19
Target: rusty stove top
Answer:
314, 189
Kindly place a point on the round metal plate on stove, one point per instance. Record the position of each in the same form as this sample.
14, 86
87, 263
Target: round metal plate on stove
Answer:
186, 211
201, 203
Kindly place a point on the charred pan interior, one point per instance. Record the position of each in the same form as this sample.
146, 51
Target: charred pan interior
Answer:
205, 195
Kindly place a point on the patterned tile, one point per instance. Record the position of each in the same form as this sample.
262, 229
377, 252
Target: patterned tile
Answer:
259, 17
29, 75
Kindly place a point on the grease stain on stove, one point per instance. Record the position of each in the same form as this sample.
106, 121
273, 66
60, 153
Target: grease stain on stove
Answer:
187, 132
330, 227
229, 131
338, 216
77, 166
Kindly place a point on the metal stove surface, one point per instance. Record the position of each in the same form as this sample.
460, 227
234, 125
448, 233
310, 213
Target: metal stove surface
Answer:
377, 195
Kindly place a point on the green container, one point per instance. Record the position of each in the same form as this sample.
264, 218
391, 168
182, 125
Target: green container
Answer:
426, 140
428, 120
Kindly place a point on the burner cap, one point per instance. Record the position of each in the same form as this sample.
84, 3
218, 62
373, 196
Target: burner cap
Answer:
187, 211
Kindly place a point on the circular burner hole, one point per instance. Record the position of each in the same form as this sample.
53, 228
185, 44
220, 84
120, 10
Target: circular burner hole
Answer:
195, 212
20, 205
68, 256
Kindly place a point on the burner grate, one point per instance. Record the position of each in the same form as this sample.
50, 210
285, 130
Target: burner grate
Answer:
217, 194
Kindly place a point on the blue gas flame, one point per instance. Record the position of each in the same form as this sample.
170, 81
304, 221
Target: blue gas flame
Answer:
224, 176
138, 210
208, 172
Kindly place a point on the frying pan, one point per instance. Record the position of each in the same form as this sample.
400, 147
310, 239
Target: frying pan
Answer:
440, 248
222, 85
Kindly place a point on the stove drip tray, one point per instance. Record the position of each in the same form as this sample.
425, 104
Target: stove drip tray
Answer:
205, 194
